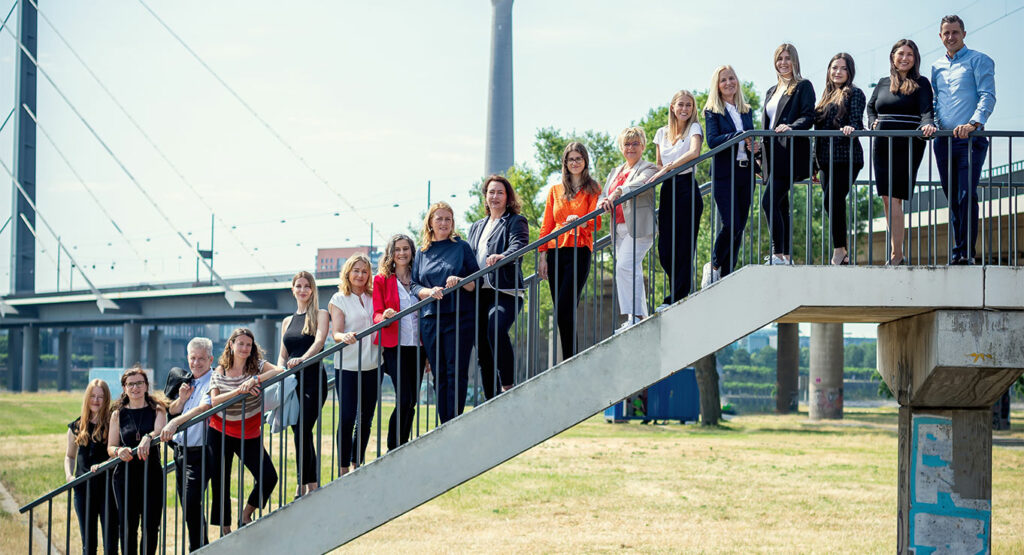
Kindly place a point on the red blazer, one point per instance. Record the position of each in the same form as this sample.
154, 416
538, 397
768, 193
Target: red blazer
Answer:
385, 296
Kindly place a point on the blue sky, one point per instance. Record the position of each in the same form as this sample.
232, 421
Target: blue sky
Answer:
379, 98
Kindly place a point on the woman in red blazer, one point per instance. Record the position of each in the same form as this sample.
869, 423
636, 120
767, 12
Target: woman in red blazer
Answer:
404, 357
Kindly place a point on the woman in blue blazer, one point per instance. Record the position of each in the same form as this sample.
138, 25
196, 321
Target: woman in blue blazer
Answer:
788, 105
500, 233
727, 115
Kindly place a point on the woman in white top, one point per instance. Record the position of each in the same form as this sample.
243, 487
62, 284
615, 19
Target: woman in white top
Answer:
726, 116
404, 357
351, 311
680, 206
634, 223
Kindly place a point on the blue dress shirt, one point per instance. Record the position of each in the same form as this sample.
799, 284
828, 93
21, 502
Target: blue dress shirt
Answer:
965, 88
200, 395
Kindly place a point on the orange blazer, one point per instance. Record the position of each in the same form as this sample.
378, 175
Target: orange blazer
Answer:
557, 209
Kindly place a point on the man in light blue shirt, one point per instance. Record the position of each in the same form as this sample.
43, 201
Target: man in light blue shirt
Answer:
965, 94
193, 458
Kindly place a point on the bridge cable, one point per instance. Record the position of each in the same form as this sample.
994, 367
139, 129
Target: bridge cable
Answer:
259, 118
231, 295
152, 143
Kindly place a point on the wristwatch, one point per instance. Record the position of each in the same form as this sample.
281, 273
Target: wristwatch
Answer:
977, 125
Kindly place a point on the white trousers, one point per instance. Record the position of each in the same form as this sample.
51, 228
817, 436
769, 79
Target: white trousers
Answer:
629, 272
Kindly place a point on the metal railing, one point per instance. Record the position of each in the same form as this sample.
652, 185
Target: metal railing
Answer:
593, 315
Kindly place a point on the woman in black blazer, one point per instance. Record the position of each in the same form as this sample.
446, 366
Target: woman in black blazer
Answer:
727, 115
502, 232
789, 105
902, 101
840, 160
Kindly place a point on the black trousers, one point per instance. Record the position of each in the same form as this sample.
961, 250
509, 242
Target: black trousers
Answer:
357, 393
254, 457
312, 389
496, 312
568, 268
404, 365
960, 162
679, 210
775, 200
448, 340
139, 496
95, 504
732, 196
194, 468
835, 186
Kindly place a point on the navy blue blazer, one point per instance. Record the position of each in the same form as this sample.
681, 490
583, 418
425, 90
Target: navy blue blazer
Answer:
720, 128
512, 232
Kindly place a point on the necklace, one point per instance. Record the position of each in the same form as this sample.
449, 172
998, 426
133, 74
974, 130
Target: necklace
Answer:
135, 424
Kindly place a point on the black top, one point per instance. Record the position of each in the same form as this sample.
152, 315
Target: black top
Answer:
135, 423
295, 342
900, 111
94, 452
853, 115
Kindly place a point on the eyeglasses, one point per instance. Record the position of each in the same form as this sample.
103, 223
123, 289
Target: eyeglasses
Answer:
574, 160
629, 145
134, 384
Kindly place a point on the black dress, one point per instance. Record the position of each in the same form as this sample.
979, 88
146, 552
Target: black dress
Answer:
312, 391
94, 499
138, 485
903, 158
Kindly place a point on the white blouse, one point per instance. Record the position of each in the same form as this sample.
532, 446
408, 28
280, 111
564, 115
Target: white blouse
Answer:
358, 317
672, 152
409, 325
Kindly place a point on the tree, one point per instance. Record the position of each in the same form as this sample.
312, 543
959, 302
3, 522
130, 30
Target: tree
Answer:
551, 142
706, 370
767, 357
741, 357
853, 356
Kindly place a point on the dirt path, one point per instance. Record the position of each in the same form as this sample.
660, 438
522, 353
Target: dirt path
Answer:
8, 504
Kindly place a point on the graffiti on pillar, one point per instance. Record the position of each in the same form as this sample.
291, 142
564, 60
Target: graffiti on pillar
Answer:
941, 521
828, 399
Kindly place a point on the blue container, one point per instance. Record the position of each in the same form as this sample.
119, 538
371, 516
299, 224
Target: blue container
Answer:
673, 398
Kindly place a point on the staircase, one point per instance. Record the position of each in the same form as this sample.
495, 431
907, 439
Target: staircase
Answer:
573, 391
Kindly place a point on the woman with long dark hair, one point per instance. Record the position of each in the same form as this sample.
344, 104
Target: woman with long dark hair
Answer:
237, 430
840, 160
568, 256
404, 357
902, 101
136, 420
501, 232
87, 448
303, 335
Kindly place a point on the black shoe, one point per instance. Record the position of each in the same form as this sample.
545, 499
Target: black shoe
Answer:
958, 261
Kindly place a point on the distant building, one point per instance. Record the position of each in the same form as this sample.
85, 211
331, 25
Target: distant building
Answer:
330, 261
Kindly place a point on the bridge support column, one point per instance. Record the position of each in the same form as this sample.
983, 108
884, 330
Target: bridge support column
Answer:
30, 360
787, 369
153, 360
825, 386
265, 330
946, 369
15, 344
64, 360
132, 341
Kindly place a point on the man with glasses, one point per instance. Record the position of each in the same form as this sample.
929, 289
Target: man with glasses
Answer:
965, 94
194, 464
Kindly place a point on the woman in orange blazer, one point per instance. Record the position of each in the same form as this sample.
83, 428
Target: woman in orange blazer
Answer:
568, 256
404, 357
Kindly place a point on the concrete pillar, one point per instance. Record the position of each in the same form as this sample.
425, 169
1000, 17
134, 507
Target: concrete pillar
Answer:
15, 346
153, 359
213, 333
825, 386
787, 369
265, 330
132, 338
499, 151
64, 360
99, 357
30, 359
946, 369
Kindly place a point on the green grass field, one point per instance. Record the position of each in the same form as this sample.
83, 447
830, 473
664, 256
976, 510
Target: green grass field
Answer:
760, 483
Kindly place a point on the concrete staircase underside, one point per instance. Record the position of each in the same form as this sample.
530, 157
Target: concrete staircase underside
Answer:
588, 383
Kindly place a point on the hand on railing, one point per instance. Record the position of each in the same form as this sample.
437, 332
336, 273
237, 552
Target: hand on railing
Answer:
542, 267
348, 337
124, 453
493, 259
389, 313
928, 131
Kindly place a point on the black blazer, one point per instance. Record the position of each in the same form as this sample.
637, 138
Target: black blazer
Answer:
796, 111
720, 128
512, 232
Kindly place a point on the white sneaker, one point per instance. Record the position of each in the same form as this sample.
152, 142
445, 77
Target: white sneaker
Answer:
709, 276
661, 308
776, 260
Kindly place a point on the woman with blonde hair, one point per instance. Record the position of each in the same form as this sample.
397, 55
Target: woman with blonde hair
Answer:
303, 335
87, 448
354, 377
727, 115
237, 430
788, 105
136, 421
446, 326
569, 255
